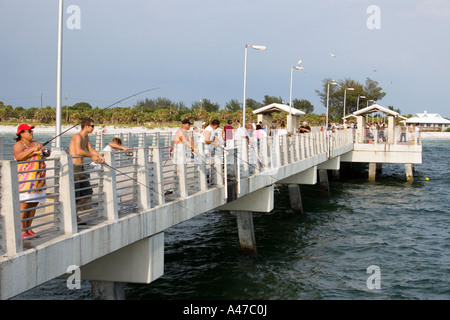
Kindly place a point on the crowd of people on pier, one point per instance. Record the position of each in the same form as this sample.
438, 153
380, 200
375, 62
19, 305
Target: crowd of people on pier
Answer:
31, 169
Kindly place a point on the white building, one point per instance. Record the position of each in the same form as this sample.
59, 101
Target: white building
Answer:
429, 121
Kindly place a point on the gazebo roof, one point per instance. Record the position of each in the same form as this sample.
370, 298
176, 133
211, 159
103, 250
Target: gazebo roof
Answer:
277, 107
376, 108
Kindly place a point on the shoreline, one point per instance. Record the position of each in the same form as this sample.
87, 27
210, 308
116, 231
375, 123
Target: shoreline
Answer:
110, 129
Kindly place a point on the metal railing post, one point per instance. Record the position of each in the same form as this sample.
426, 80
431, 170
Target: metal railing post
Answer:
10, 207
218, 167
157, 179
66, 204
179, 156
297, 147
245, 158
143, 179
110, 207
201, 167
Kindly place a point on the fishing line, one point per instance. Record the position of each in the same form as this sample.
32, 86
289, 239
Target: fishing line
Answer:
133, 95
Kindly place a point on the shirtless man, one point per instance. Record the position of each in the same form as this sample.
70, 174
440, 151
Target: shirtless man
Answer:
80, 146
182, 135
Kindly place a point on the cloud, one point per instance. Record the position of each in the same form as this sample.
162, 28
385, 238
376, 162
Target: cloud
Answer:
429, 9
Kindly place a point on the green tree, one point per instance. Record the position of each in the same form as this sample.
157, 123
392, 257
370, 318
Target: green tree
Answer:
303, 105
5, 112
252, 104
206, 105
271, 99
233, 105
81, 106
371, 90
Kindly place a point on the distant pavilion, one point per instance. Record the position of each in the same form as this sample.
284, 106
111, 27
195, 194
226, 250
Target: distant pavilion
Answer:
429, 121
265, 115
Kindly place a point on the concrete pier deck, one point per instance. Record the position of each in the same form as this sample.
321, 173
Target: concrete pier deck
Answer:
137, 195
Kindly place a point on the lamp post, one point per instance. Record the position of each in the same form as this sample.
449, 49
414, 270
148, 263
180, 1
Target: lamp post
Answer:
59, 74
262, 48
328, 98
345, 98
357, 105
289, 129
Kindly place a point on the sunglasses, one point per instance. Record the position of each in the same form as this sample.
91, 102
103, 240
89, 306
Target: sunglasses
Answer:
91, 125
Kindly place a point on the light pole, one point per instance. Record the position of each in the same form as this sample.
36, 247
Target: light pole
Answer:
357, 105
290, 95
328, 98
59, 74
345, 98
262, 48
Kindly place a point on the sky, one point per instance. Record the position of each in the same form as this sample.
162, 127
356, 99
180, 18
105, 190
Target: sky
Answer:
194, 49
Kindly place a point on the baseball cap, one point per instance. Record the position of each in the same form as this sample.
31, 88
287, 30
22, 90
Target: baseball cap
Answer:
186, 121
23, 127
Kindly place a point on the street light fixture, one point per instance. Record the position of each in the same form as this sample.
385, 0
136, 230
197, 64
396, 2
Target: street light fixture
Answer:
328, 98
261, 48
345, 98
290, 95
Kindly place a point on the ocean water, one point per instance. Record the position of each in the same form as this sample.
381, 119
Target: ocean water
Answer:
399, 228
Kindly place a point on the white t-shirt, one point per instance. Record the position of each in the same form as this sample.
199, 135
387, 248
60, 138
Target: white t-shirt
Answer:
282, 131
209, 147
211, 130
240, 132
107, 148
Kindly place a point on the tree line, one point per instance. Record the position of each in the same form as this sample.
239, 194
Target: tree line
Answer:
163, 110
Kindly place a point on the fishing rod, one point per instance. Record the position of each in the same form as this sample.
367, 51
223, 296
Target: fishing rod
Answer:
133, 95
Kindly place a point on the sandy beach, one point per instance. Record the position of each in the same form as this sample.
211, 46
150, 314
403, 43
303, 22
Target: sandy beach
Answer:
105, 129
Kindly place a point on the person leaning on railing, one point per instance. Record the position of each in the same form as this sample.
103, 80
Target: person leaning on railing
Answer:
115, 144
31, 174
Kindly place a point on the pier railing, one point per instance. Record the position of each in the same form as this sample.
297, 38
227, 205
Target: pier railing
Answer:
381, 135
145, 177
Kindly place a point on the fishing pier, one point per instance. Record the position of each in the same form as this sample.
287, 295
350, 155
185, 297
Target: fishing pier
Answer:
140, 193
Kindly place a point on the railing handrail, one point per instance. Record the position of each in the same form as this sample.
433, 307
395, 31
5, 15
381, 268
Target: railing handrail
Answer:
144, 178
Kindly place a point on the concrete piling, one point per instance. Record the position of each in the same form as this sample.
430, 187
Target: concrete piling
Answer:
107, 290
409, 172
295, 198
246, 233
372, 171
324, 185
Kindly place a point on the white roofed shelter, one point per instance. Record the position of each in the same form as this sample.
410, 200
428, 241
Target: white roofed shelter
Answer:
429, 121
265, 114
361, 120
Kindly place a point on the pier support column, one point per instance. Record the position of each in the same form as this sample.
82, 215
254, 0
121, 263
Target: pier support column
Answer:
246, 232
107, 290
296, 198
372, 171
335, 175
379, 168
324, 186
409, 172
